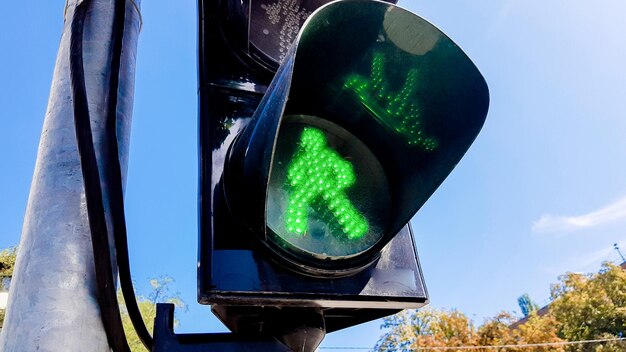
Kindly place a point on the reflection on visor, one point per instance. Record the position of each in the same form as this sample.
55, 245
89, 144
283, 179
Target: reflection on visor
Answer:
398, 111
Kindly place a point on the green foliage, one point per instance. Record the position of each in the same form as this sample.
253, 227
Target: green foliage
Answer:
160, 293
538, 329
584, 307
7, 263
410, 330
591, 307
415, 330
496, 332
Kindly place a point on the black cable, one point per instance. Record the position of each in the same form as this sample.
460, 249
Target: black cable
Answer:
107, 299
114, 174
114, 171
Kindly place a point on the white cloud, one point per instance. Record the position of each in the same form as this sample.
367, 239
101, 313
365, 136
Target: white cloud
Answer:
583, 262
562, 224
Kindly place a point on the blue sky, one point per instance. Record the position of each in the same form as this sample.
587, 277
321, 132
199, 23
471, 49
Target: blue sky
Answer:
542, 191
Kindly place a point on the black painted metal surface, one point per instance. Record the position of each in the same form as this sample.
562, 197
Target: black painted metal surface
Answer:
165, 340
243, 280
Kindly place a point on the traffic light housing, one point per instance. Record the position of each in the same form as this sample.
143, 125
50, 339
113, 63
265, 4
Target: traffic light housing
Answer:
308, 182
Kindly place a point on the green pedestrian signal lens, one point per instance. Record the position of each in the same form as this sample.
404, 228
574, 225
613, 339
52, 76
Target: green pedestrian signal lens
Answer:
318, 177
328, 195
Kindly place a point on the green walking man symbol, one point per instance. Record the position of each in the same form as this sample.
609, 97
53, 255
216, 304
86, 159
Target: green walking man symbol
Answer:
318, 176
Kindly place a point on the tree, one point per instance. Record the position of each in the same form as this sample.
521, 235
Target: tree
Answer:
591, 307
147, 306
410, 330
160, 292
496, 331
538, 329
583, 308
526, 304
7, 263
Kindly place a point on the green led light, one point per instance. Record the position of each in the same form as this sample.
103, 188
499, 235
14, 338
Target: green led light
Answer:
394, 110
318, 177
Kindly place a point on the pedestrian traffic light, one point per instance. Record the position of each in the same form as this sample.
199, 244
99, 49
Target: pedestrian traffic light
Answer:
310, 176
